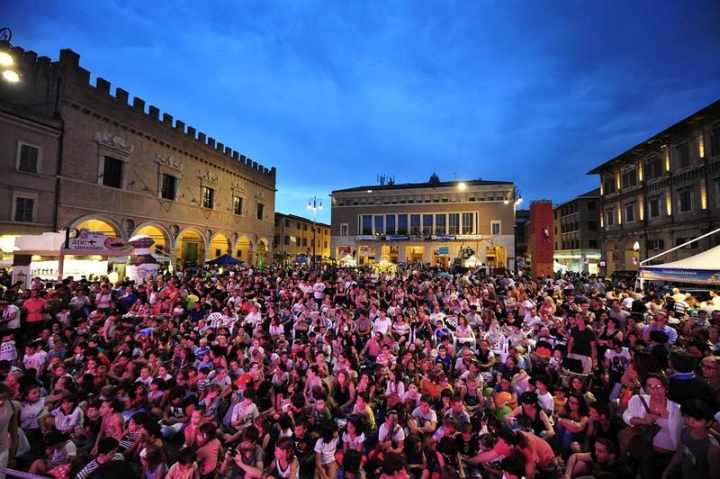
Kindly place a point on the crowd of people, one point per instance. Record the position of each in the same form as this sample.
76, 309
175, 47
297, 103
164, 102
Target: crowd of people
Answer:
291, 373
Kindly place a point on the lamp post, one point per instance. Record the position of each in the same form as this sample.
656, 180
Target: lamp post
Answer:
314, 205
7, 62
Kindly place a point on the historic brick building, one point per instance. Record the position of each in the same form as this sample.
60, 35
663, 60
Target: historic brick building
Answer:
662, 193
105, 163
426, 222
294, 239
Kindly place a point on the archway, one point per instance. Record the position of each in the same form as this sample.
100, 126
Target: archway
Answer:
158, 234
98, 225
219, 245
190, 247
244, 249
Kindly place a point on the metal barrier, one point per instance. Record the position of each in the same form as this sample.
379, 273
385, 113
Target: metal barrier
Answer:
22, 475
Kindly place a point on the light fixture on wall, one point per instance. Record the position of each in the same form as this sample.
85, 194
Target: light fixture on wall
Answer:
7, 62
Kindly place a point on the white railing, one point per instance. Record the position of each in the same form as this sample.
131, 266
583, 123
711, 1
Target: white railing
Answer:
680, 246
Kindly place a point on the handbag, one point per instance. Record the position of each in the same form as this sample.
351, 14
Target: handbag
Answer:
636, 441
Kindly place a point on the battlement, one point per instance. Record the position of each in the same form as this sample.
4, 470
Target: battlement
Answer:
69, 67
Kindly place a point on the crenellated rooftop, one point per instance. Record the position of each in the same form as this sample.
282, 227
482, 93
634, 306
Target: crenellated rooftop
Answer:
34, 69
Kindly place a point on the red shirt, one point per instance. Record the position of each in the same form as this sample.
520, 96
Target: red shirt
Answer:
34, 307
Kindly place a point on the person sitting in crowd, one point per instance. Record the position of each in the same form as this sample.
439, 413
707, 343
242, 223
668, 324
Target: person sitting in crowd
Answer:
298, 373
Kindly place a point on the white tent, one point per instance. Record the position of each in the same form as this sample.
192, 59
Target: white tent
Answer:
703, 268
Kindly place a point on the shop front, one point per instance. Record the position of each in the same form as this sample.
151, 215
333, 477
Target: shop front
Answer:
53, 256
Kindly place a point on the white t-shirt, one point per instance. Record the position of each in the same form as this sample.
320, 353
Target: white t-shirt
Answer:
36, 361
319, 290
356, 443
382, 325
326, 450
397, 434
11, 314
244, 413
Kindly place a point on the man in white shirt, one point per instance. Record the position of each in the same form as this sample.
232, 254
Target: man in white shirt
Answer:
390, 434
10, 318
382, 324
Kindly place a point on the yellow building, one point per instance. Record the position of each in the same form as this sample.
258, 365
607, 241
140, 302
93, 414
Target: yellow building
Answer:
294, 239
662, 193
432, 222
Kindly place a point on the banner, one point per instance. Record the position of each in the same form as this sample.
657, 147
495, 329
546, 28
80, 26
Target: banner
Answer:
95, 243
694, 276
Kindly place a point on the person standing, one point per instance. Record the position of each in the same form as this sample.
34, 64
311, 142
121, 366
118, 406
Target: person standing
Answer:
582, 344
34, 308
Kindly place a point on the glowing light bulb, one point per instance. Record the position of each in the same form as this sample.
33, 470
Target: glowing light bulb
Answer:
5, 59
11, 76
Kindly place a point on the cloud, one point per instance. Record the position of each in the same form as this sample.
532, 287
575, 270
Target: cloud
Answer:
333, 94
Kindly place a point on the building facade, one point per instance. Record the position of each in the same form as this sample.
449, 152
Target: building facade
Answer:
425, 222
115, 166
294, 237
576, 224
662, 193
522, 220
29, 146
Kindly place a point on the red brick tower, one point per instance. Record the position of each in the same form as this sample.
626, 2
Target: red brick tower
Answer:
541, 241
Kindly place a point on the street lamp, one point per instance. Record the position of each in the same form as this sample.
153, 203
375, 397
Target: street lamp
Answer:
462, 186
7, 62
314, 205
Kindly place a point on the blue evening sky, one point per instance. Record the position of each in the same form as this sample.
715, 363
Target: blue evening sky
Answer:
334, 93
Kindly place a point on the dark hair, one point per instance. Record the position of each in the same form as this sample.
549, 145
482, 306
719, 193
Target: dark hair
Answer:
287, 445
328, 429
208, 429
513, 438
514, 464
682, 361
107, 445
697, 409
609, 445
529, 397
393, 463
658, 377
186, 456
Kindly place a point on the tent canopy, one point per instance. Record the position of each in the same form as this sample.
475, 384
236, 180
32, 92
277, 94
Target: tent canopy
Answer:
702, 268
224, 260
